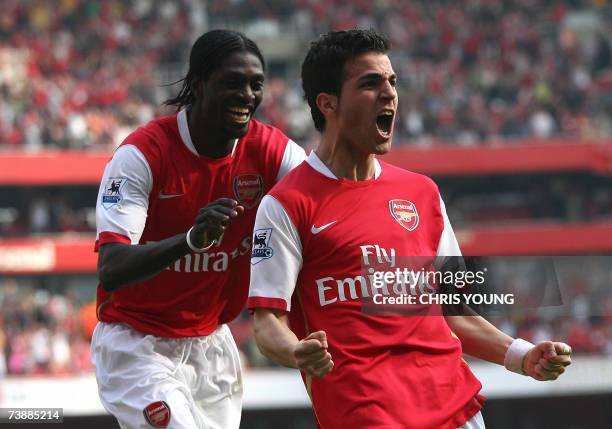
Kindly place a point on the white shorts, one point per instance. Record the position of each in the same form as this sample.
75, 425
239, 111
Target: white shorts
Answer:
176, 383
475, 422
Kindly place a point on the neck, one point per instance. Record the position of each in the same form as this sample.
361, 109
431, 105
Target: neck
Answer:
344, 161
206, 138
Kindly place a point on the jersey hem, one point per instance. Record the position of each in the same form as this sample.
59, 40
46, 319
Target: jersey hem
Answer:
163, 331
470, 410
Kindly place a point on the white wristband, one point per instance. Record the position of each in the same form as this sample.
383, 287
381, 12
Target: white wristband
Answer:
513, 361
196, 249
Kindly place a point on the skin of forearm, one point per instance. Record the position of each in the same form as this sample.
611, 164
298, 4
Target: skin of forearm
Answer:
120, 265
274, 338
479, 338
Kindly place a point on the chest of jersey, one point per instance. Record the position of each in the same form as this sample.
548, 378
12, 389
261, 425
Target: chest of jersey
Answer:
357, 226
355, 233
189, 183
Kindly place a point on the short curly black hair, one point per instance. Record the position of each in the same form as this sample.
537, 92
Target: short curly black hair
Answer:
323, 67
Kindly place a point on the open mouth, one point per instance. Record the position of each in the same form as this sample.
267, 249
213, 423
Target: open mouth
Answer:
240, 115
384, 123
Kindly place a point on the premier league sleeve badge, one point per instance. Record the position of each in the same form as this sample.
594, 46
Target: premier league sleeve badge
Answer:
112, 193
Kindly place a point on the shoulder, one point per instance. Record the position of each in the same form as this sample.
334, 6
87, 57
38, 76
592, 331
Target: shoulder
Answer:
296, 182
266, 134
297, 190
154, 139
409, 178
157, 132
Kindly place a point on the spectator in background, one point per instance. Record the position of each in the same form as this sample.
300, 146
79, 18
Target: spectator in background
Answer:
470, 73
37, 332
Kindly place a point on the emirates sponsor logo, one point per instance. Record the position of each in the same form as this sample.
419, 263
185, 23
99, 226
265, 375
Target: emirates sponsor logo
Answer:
210, 261
374, 257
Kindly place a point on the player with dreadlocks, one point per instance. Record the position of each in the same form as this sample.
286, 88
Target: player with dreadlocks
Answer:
175, 212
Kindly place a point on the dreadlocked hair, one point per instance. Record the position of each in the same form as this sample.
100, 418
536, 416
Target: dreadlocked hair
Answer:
206, 55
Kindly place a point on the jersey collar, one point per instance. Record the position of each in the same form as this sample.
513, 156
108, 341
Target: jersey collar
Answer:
316, 163
181, 118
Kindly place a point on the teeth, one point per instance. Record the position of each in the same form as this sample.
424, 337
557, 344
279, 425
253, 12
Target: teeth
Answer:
239, 115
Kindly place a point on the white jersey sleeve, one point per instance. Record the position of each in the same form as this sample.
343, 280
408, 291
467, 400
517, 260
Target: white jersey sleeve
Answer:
294, 155
123, 198
448, 245
277, 257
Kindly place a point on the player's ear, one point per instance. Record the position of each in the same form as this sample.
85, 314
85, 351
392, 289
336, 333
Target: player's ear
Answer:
327, 103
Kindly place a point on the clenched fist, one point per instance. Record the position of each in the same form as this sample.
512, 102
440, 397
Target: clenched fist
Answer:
311, 355
213, 219
547, 360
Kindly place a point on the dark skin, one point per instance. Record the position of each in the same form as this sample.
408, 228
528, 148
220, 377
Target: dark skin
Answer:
220, 114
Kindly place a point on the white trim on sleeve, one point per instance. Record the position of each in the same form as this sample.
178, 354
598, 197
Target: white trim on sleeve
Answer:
123, 210
277, 253
294, 155
448, 245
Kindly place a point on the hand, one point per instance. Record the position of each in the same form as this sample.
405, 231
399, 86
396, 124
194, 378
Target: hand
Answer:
212, 220
547, 360
311, 355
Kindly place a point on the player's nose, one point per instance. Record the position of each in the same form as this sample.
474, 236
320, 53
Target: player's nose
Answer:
246, 94
388, 91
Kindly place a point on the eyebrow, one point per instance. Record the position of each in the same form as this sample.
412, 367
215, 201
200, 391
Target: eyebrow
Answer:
232, 74
374, 76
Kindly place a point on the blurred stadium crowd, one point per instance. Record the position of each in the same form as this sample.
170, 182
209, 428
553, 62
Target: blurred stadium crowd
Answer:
49, 331
84, 73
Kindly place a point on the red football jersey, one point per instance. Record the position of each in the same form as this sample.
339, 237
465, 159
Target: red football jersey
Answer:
152, 189
315, 236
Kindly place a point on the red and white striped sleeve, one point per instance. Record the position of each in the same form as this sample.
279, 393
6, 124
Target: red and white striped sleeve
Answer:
293, 156
123, 198
448, 245
276, 260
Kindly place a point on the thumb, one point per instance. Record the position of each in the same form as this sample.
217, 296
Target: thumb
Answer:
321, 336
548, 350
239, 209
563, 349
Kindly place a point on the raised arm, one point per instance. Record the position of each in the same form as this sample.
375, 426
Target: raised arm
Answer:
120, 264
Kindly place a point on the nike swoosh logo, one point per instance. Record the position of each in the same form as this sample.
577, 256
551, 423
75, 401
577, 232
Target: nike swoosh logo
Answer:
166, 196
316, 230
